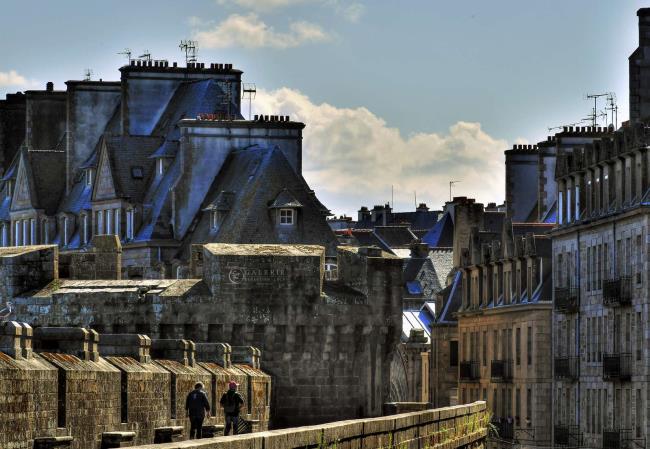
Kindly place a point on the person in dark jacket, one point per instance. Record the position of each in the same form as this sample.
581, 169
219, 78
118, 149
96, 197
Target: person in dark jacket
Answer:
231, 401
196, 406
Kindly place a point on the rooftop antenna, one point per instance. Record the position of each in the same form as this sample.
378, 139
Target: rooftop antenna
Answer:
126, 52
551, 128
146, 56
613, 107
88, 74
190, 48
451, 184
594, 114
249, 91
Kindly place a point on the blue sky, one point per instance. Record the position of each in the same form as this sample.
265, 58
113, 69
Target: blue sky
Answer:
418, 67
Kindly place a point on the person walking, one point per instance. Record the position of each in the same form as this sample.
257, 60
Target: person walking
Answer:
231, 401
197, 406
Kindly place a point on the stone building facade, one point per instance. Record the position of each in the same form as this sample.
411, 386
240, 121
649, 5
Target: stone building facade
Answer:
600, 253
600, 256
327, 344
504, 329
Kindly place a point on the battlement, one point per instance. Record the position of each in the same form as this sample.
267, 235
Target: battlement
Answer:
90, 387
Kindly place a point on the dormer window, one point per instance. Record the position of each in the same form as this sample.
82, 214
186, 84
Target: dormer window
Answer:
285, 209
89, 177
160, 166
215, 220
287, 217
8, 189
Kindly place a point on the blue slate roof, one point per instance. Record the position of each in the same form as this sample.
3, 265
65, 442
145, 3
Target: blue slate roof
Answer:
78, 199
442, 234
414, 287
4, 208
452, 301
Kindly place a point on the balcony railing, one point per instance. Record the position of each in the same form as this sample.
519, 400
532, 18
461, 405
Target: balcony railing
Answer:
567, 299
617, 367
567, 368
469, 371
501, 371
568, 436
616, 438
617, 291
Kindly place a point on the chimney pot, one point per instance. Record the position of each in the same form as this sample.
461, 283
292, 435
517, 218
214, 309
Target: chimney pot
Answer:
49, 86
175, 64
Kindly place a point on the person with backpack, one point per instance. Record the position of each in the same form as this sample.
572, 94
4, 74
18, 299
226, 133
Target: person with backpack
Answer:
197, 406
231, 401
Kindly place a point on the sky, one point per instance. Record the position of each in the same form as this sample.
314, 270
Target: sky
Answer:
399, 98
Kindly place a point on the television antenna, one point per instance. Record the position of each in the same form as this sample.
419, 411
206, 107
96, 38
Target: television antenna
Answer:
613, 107
146, 55
88, 74
126, 52
594, 115
561, 127
451, 184
190, 48
249, 91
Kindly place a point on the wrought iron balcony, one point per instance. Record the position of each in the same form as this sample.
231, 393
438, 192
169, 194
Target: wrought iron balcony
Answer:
568, 436
567, 368
567, 299
617, 291
501, 371
616, 438
469, 371
617, 367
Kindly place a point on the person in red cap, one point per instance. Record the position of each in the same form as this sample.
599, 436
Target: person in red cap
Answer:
231, 401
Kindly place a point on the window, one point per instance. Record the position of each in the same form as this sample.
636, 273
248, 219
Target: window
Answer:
517, 407
129, 224
214, 218
331, 272
4, 235
100, 222
529, 346
160, 166
8, 190
89, 177
286, 216
137, 172
65, 231
518, 345
118, 222
109, 221
453, 353
85, 229
32, 231
484, 348
529, 407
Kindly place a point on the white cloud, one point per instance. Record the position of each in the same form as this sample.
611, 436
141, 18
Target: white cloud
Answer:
249, 31
351, 157
14, 79
351, 10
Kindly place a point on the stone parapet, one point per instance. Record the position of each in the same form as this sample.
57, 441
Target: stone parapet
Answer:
462, 426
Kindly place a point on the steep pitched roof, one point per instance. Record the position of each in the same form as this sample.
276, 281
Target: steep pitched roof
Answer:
451, 301
190, 99
39, 183
129, 163
395, 236
257, 176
